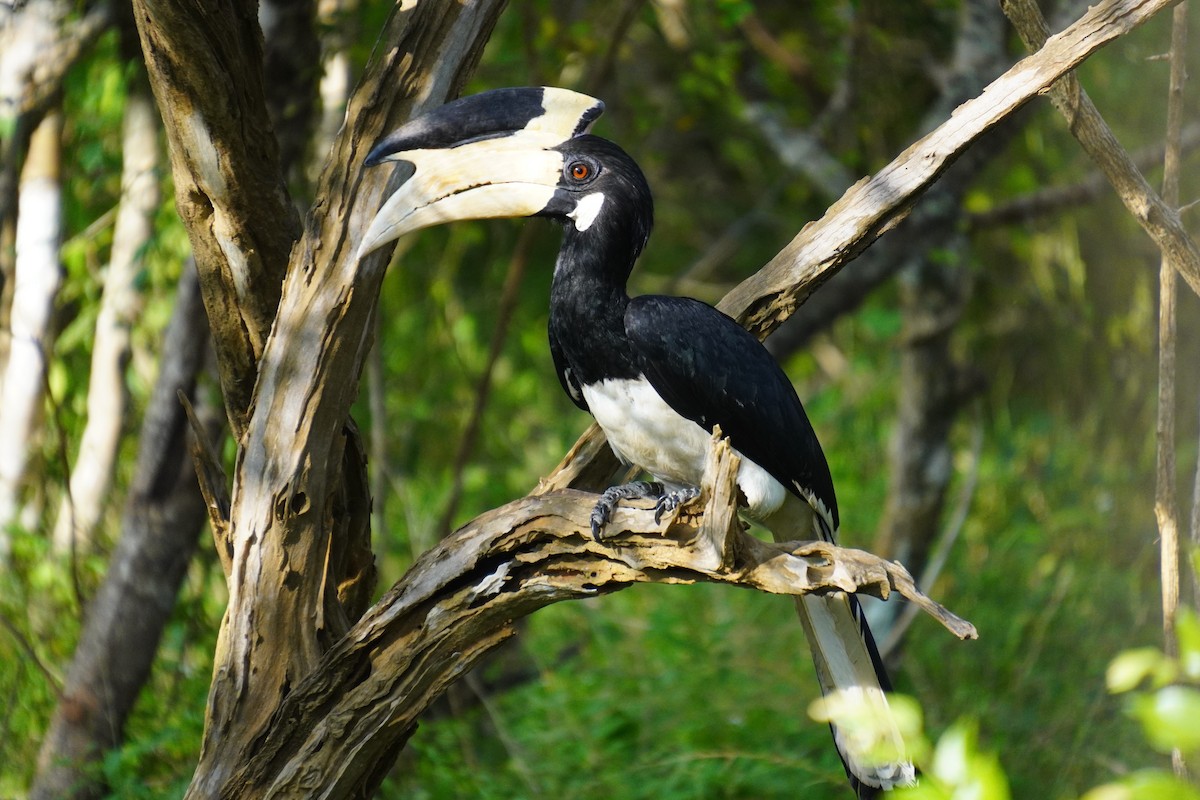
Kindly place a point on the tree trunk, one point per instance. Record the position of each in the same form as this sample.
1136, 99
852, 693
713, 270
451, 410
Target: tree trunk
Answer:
38, 276
120, 304
160, 528
205, 65
302, 704
288, 496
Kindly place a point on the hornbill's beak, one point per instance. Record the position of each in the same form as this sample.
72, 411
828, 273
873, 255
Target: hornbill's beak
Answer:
487, 155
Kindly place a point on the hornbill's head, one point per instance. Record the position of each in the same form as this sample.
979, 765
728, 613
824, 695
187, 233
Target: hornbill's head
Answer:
513, 153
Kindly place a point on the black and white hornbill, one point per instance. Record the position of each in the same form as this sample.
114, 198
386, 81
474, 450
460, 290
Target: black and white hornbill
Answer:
657, 373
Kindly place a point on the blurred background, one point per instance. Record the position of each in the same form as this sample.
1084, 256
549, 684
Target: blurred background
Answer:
983, 380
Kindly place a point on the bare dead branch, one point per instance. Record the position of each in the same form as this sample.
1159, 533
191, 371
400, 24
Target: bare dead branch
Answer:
464, 595
1159, 219
876, 204
1166, 508
1056, 198
297, 710
283, 611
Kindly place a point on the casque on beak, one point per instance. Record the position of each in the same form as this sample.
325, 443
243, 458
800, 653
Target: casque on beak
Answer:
484, 156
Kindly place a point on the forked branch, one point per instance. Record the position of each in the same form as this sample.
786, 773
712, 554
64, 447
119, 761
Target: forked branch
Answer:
462, 598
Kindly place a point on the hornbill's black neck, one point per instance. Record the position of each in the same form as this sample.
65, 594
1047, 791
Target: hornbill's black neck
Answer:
588, 295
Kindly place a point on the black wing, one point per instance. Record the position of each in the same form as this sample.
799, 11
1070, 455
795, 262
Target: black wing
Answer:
569, 381
712, 371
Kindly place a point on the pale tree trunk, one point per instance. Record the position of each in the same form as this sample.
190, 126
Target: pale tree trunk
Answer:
304, 701
38, 45
120, 304
336, 80
38, 276
163, 516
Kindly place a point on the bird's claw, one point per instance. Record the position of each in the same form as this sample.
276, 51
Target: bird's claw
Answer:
673, 500
602, 512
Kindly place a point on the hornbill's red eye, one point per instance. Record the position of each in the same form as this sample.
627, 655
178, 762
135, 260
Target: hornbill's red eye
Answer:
580, 171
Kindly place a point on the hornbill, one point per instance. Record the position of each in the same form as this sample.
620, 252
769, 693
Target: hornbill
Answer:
657, 373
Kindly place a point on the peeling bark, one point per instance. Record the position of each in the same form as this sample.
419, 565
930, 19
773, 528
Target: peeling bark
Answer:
282, 612
205, 65
462, 598
298, 710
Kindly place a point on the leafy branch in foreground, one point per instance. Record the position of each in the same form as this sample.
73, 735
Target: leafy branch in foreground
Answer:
1163, 696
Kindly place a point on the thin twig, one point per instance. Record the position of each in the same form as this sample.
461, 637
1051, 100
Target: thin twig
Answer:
1165, 500
1158, 218
27, 646
1165, 493
61, 437
941, 554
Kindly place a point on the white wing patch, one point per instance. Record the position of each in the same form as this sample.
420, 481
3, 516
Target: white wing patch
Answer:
824, 528
572, 385
587, 210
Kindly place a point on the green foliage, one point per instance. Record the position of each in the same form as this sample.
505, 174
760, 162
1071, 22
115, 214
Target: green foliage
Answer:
960, 769
699, 691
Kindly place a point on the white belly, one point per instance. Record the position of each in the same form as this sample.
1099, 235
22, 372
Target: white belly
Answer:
643, 430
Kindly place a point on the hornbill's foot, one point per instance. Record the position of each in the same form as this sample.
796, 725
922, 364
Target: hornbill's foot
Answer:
673, 500
603, 510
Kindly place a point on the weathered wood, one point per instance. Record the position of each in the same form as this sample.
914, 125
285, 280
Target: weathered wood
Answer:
288, 495
1158, 218
297, 709
877, 203
204, 59
461, 599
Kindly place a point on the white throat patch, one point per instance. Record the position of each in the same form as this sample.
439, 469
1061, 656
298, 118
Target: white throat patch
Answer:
587, 210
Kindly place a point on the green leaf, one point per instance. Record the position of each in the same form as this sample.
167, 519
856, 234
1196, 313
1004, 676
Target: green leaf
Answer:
1170, 718
1131, 668
1145, 785
1187, 632
962, 770
867, 730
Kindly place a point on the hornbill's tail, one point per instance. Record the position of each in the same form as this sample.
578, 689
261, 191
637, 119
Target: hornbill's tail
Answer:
853, 679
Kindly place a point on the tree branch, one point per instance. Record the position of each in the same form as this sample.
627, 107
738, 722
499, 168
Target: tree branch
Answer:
205, 61
876, 204
461, 598
283, 609
1028, 207
296, 708
1157, 218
